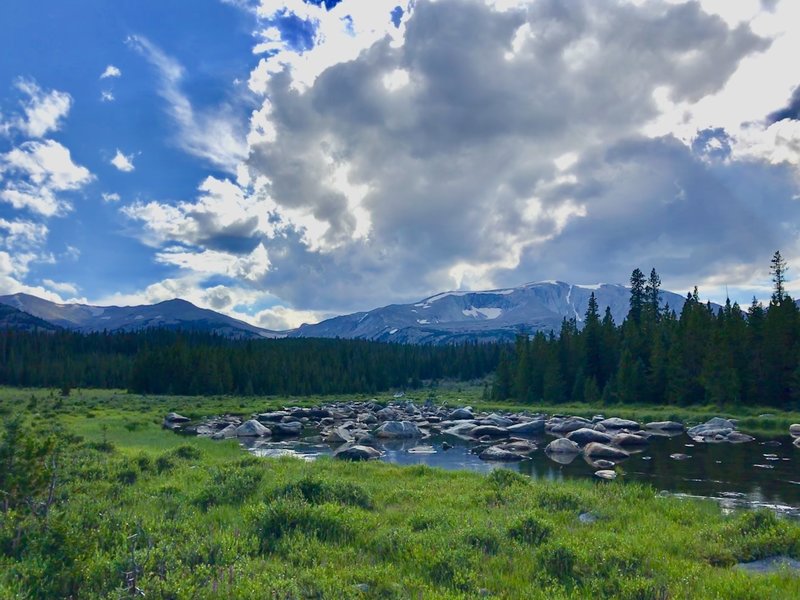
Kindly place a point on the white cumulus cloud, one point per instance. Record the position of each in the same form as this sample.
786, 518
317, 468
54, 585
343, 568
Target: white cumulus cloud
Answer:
111, 71
123, 162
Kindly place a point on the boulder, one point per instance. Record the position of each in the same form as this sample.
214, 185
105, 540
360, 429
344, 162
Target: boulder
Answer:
527, 427
712, 427
252, 428
797, 442
597, 450
498, 420
679, 456
398, 430
461, 430
387, 414
606, 474
272, 417
602, 463
569, 424
665, 425
585, 436
499, 453
228, 432
287, 429
461, 414
629, 439
337, 436
489, 430
617, 423
356, 452
794, 430
174, 417
562, 446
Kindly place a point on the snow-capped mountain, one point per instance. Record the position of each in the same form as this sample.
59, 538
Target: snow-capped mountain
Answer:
172, 314
491, 315
486, 315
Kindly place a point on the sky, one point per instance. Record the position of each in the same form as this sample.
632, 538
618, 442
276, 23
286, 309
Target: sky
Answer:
282, 161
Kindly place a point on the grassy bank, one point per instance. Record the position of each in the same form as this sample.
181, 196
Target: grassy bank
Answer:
176, 517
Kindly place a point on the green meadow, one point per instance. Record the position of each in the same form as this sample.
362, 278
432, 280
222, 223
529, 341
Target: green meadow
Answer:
100, 502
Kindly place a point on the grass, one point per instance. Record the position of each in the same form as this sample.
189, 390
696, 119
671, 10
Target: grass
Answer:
181, 517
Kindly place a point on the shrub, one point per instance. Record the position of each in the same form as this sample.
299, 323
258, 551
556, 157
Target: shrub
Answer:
318, 491
326, 522
530, 530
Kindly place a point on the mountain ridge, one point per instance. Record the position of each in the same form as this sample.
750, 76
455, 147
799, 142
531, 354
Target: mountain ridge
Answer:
447, 317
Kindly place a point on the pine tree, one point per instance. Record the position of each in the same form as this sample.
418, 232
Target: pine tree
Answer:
637, 299
777, 269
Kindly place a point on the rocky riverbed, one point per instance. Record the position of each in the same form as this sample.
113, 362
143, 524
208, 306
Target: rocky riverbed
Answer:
367, 430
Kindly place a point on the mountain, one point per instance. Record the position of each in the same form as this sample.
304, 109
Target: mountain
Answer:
492, 315
11, 318
172, 314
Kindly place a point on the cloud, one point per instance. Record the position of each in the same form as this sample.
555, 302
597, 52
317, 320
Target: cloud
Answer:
106, 96
36, 173
43, 110
111, 71
61, 287
214, 135
524, 140
22, 234
110, 197
123, 162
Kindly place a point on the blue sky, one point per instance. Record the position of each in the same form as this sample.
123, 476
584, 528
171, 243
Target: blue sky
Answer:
282, 161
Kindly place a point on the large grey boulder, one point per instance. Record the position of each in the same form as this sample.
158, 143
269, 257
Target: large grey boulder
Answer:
606, 474
596, 450
499, 420
585, 436
337, 436
498, 453
562, 446
794, 430
737, 437
617, 423
527, 427
356, 452
174, 417
460, 414
272, 417
461, 430
629, 439
287, 429
222, 434
712, 428
398, 430
489, 430
569, 424
252, 428
665, 426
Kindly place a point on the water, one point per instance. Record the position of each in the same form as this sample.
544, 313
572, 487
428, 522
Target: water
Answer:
755, 474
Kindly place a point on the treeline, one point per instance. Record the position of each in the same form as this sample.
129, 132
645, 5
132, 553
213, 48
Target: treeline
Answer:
726, 357
169, 362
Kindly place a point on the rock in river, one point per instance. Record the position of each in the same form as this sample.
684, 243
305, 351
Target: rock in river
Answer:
617, 423
287, 429
629, 439
562, 446
490, 430
527, 427
499, 454
461, 414
356, 452
665, 426
252, 428
606, 474
794, 430
585, 436
596, 450
398, 429
567, 425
